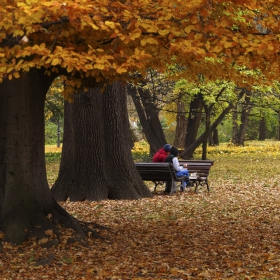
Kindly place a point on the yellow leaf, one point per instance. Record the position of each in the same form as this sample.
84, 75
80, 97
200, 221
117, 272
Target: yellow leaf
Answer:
229, 44
143, 42
29, 2
103, 9
95, 27
16, 75
110, 24
163, 32
121, 70
198, 36
188, 29
152, 41
70, 68
217, 49
136, 34
10, 77
99, 66
55, 61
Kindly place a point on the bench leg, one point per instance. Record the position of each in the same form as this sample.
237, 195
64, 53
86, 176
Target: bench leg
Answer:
168, 186
173, 188
208, 188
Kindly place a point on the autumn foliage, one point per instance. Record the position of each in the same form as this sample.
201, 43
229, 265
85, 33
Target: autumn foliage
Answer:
231, 233
110, 39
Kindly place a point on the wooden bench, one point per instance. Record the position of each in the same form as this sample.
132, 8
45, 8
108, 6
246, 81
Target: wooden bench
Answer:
159, 173
198, 172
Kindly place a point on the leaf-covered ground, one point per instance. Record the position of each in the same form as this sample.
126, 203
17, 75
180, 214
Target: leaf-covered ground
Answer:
233, 232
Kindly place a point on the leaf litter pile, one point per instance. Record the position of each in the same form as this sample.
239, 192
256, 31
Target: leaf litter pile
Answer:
233, 232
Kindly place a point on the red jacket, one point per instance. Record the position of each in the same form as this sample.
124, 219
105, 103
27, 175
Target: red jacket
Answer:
160, 155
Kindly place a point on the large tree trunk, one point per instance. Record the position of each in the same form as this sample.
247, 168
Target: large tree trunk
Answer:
148, 116
96, 158
27, 206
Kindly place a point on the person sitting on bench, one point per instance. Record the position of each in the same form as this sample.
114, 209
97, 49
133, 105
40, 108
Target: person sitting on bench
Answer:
180, 170
160, 156
162, 153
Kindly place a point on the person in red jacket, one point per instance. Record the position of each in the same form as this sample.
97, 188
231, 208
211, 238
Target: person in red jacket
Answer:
160, 156
162, 153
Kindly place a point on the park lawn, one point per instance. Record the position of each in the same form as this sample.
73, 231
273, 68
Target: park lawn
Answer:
233, 232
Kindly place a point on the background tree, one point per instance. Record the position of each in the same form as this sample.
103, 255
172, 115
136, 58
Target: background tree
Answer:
54, 105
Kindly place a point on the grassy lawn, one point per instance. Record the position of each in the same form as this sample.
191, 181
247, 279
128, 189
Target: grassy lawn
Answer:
230, 233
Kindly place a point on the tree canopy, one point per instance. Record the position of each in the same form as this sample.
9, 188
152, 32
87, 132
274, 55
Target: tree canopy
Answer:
108, 40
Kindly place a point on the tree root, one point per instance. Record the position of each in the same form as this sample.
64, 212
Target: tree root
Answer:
49, 226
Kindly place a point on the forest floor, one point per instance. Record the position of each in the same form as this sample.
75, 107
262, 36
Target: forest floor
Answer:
233, 232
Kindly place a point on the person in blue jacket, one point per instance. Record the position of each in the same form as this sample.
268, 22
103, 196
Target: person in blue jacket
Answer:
180, 170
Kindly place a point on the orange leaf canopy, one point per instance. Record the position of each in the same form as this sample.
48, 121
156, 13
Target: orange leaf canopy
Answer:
111, 39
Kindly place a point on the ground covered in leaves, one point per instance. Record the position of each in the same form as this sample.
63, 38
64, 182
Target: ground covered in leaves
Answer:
233, 232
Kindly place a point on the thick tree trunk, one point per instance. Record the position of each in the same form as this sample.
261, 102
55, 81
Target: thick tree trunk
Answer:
148, 116
96, 158
181, 127
27, 206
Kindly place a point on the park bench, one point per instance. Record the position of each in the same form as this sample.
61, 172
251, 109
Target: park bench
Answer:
159, 173
198, 172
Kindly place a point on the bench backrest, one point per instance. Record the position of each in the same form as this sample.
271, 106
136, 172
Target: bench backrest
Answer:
153, 171
201, 167
150, 171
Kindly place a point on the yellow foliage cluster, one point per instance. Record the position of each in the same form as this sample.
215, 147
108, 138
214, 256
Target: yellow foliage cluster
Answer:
108, 40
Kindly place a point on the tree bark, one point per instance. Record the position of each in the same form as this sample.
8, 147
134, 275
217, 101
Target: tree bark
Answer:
96, 158
244, 119
148, 116
181, 127
194, 118
262, 129
27, 207
234, 125
188, 153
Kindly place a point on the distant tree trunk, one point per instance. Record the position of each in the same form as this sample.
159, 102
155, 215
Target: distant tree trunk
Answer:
96, 160
244, 120
234, 125
194, 118
181, 127
262, 129
207, 131
278, 127
215, 137
148, 116
188, 153
25, 197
